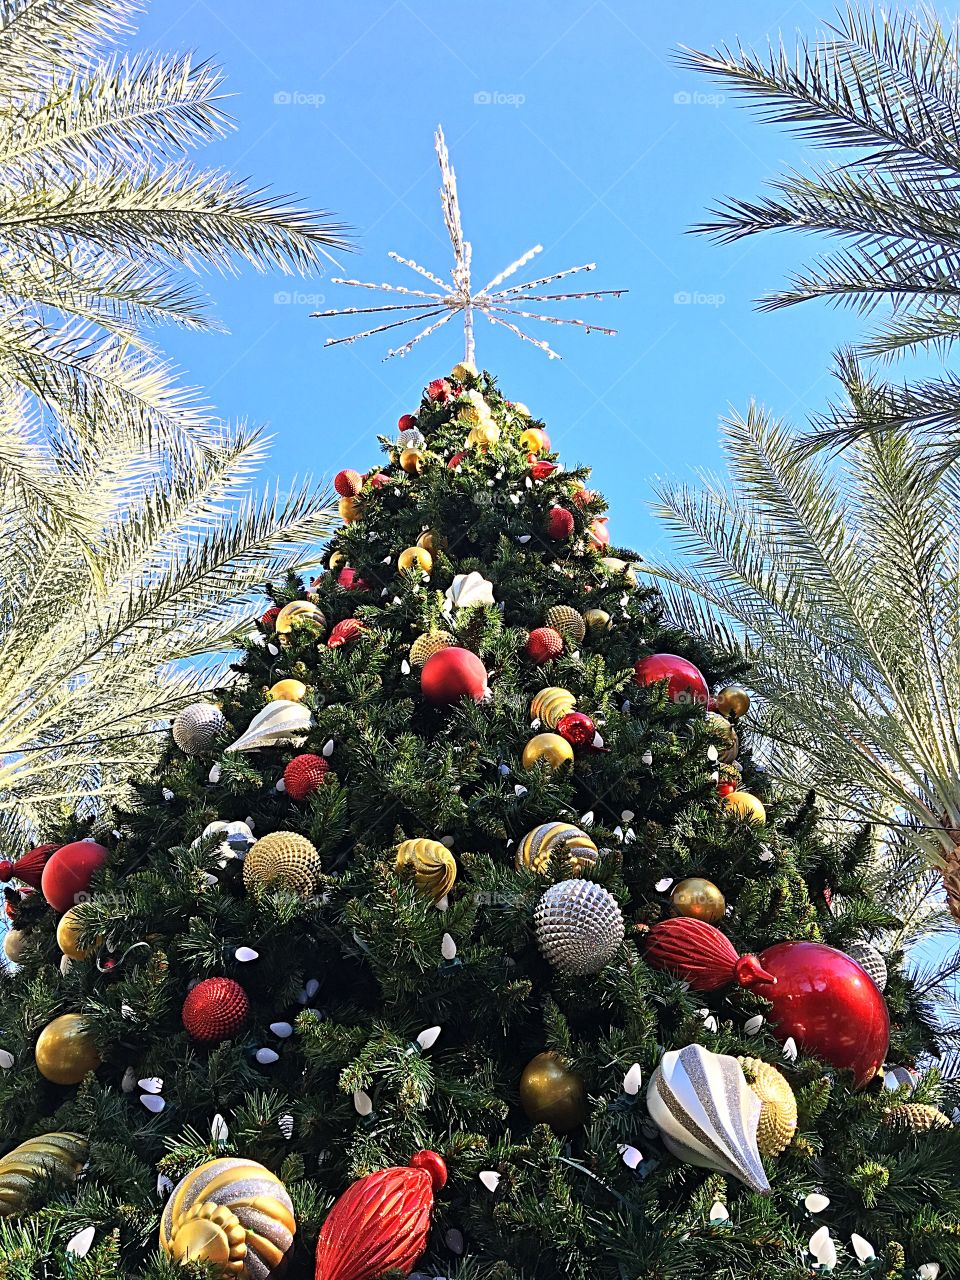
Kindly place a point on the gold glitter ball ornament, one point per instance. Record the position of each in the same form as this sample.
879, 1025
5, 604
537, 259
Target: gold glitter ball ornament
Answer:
733, 701
548, 748
415, 558
283, 859
428, 644
778, 1116
597, 620
550, 705
66, 1050
566, 620
433, 865
412, 461
299, 613
699, 899
551, 838
917, 1117
287, 691
57, 1155
744, 805
550, 1093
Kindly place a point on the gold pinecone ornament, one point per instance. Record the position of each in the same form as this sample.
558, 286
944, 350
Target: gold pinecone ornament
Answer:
951, 881
428, 644
567, 621
917, 1117
778, 1117
285, 860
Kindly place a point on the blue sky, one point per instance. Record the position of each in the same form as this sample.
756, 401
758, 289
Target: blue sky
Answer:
568, 125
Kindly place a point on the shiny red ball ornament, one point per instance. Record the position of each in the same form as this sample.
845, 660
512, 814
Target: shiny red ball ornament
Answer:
828, 1004
406, 422
456, 459
577, 727
544, 643
540, 468
381, 1223
215, 1010
29, 868
440, 390
686, 684
598, 532
348, 483
378, 479
559, 523
452, 674
345, 632
304, 775
268, 619
350, 580
725, 788
66, 876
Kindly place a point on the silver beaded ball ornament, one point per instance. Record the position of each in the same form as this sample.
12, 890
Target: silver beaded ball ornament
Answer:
870, 960
196, 727
578, 926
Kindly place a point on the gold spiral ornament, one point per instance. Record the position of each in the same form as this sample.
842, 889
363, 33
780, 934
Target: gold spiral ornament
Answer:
550, 705
59, 1155
433, 865
551, 838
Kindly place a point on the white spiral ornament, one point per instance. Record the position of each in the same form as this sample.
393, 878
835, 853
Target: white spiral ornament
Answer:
278, 723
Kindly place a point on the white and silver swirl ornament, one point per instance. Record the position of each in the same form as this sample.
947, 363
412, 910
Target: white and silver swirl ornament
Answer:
578, 925
870, 961
707, 1114
276, 724
411, 438
196, 728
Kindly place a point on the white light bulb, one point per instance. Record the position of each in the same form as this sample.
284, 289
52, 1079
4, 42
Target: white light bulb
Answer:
633, 1080
427, 1039
448, 948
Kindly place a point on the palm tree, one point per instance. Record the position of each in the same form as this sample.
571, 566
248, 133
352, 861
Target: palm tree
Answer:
886, 88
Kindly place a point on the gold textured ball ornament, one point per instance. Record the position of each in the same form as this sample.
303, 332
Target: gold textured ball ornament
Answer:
66, 1050
733, 701
56, 1155
68, 931
433, 865
15, 942
433, 541
415, 558
283, 859
744, 805
916, 1117
550, 1093
232, 1213
547, 748
699, 899
597, 620
349, 509
299, 613
428, 644
412, 461
552, 838
721, 727
778, 1115
550, 705
287, 691
566, 620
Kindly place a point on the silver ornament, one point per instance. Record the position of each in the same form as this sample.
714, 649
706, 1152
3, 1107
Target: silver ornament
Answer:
578, 925
196, 728
278, 723
411, 438
870, 960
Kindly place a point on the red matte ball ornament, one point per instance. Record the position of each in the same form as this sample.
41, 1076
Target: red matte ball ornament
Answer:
67, 874
452, 674
559, 523
577, 727
304, 775
686, 684
215, 1010
381, 1223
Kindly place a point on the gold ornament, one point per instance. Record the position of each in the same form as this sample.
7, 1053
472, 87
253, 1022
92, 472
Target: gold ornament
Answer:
548, 747
58, 1155
778, 1115
550, 705
597, 620
14, 944
550, 1093
432, 541
285, 860
463, 371
428, 644
483, 436
614, 565
533, 439
539, 845
232, 1213
744, 805
65, 1050
415, 558
298, 613
722, 728
412, 461
917, 1117
68, 931
349, 509
699, 899
733, 701
337, 561
520, 409
288, 691
433, 865
567, 621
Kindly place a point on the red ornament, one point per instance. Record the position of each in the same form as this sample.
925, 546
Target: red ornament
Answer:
452, 674
350, 580
440, 390
381, 1223
348, 483
29, 868
378, 479
599, 533
559, 523
686, 684
215, 1010
66, 877
540, 468
304, 775
578, 729
725, 788
269, 618
828, 1004
406, 422
456, 459
544, 643
345, 632
700, 954
583, 496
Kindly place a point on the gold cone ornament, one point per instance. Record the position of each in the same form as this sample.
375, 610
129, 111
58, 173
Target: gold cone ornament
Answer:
58, 1155
550, 1093
428, 644
285, 860
551, 839
299, 613
433, 865
917, 1117
778, 1115
66, 1050
567, 621
550, 705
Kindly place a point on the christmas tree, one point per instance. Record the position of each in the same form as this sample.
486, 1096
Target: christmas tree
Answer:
467, 860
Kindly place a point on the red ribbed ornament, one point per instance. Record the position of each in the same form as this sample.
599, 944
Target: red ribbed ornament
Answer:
540, 468
304, 775
268, 618
381, 1223
701, 955
348, 483
29, 868
456, 459
559, 523
215, 1010
544, 643
345, 632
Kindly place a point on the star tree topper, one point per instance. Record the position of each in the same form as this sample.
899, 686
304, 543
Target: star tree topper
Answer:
494, 301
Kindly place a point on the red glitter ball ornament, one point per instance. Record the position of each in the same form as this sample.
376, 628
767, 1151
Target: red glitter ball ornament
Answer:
686, 684
215, 1010
440, 390
540, 469
268, 618
67, 873
345, 632
559, 523
543, 644
452, 674
406, 422
304, 775
348, 483
577, 727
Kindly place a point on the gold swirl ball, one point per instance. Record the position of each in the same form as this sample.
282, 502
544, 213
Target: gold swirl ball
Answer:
744, 805
548, 748
349, 509
284, 860
597, 620
916, 1117
433, 865
566, 620
551, 838
733, 701
432, 541
68, 931
699, 899
415, 558
299, 613
550, 1093
428, 644
56, 1155
483, 436
412, 461
550, 705
66, 1050
287, 691
778, 1114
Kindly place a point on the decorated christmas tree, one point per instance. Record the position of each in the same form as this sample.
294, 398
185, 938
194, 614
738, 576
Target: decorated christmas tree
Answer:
459, 934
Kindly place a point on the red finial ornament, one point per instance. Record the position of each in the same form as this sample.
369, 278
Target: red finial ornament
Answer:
701, 955
29, 868
345, 632
381, 1223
